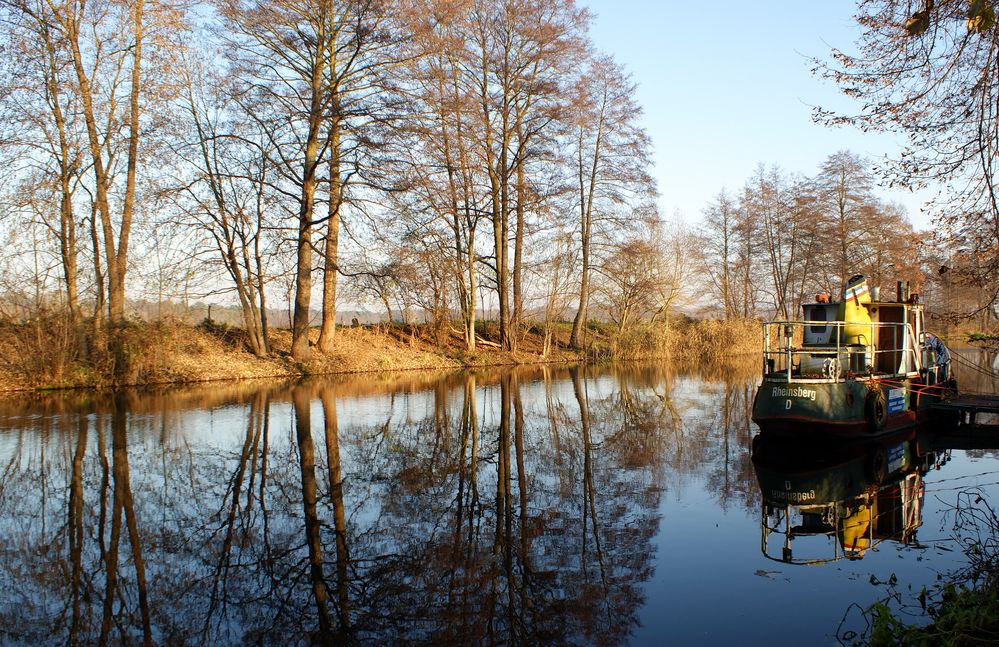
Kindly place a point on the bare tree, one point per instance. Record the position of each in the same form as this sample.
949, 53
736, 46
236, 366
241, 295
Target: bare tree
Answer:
717, 250
611, 164
300, 61
441, 185
929, 70
629, 283
520, 52
227, 197
672, 246
123, 44
774, 203
844, 184
40, 96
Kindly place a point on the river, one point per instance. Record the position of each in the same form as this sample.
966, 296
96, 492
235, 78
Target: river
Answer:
583, 505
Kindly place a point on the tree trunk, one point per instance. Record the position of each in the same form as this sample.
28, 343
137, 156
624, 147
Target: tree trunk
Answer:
98, 275
117, 288
472, 288
726, 280
303, 281
260, 291
331, 247
103, 208
303, 277
67, 249
587, 190
518, 253
67, 222
500, 244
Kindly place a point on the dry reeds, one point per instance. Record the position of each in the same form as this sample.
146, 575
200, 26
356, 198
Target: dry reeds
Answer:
50, 354
717, 341
691, 341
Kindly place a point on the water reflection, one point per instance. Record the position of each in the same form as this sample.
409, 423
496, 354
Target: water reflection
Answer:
517, 506
839, 499
545, 505
853, 495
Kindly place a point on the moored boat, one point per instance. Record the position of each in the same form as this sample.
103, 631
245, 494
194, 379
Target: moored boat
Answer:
859, 365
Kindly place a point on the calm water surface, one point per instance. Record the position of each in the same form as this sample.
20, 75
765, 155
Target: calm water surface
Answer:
596, 505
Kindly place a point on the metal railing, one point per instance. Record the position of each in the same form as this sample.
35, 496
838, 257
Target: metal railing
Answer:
786, 351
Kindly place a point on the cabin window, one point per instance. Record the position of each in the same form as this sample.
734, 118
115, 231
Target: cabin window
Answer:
817, 314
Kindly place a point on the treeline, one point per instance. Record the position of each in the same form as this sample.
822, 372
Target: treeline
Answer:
449, 158
783, 238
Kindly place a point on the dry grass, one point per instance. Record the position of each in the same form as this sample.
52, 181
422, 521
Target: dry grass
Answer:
715, 341
692, 341
357, 350
169, 352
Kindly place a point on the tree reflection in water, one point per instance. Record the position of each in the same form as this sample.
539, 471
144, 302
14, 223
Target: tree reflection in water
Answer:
517, 506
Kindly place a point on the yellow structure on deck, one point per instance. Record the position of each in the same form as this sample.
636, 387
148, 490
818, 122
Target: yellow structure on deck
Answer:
853, 311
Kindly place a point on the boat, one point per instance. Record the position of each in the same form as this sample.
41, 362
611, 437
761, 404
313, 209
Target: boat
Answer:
857, 366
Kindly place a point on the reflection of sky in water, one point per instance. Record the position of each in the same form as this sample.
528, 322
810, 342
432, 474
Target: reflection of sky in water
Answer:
708, 586
704, 581
711, 568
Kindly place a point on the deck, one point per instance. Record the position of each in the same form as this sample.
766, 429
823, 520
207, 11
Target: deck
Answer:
968, 406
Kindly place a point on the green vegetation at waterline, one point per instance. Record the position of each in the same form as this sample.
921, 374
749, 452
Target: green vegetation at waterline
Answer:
963, 616
964, 609
984, 339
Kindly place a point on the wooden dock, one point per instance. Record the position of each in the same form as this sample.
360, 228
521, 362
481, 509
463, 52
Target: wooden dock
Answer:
967, 407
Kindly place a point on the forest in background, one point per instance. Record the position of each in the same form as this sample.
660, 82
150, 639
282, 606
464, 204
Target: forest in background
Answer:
443, 162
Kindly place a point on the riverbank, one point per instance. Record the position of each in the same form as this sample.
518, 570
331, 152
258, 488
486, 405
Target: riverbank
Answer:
44, 355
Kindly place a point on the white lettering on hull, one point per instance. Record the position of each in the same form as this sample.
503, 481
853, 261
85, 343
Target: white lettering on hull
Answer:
793, 392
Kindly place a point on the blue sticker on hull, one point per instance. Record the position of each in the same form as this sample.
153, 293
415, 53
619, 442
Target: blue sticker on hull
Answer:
896, 400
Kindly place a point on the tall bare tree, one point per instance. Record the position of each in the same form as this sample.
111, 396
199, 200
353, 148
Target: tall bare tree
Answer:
611, 166
441, 181
40, 95
227, 194
718, 250
844, 184
298, 59
122, 42
520, 51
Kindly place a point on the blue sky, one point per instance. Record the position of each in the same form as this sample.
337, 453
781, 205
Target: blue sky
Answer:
728, 85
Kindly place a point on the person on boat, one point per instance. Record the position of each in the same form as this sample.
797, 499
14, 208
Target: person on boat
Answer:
941, 354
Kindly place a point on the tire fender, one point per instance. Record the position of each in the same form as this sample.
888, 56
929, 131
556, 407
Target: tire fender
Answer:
876, 410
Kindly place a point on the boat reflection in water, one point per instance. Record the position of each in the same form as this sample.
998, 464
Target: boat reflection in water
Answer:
829, 500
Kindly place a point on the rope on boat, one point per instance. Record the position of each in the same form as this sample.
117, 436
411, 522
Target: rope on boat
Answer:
978, 369
918, 389
927, 389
